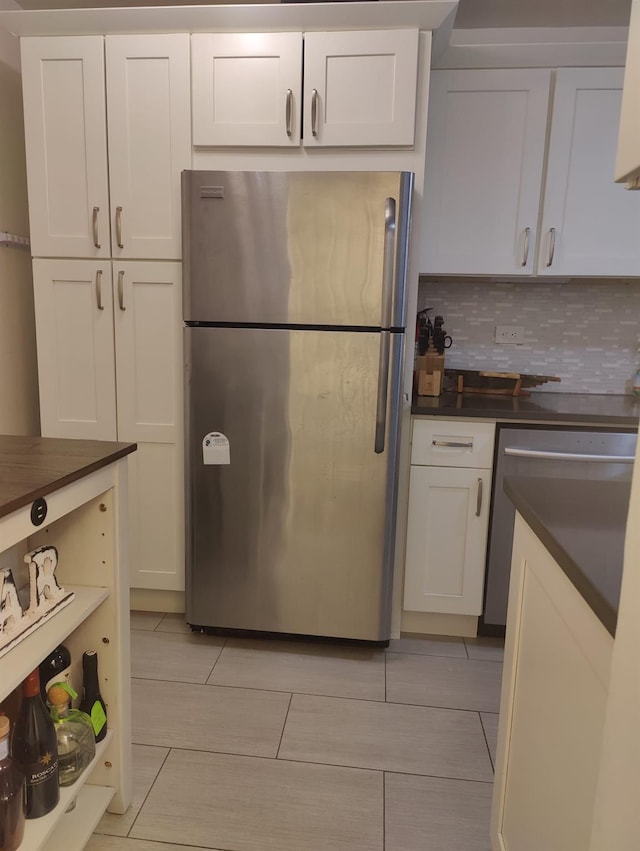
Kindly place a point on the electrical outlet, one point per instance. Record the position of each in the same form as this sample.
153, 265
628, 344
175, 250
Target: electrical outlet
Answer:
509, 334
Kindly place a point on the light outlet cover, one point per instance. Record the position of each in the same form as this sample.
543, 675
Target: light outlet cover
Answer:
513, 334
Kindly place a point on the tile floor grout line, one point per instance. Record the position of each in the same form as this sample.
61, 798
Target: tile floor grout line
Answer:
484, 732
384, 811
466, 649
284, 725
166, 757
224, 644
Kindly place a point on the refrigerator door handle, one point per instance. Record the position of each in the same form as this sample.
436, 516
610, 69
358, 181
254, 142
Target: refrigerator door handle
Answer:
388, 261
383, 384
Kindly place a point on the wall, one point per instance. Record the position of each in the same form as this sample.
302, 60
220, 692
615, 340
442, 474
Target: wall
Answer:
19, 412
585, 332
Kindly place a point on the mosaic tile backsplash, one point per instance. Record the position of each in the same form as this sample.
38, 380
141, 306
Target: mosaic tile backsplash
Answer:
585, 332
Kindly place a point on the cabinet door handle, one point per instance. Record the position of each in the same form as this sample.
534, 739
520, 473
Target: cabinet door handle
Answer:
289, 111
525, 247
454, 443
119, 227
479, 498
96, 241
314, 112
552, 246
99, 289
121, 290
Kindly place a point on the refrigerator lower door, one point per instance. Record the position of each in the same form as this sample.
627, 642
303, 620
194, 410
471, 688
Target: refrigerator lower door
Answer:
295, 534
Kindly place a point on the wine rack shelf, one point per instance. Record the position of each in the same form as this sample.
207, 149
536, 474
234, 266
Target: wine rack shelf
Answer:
85, 485
52, 830
27, 655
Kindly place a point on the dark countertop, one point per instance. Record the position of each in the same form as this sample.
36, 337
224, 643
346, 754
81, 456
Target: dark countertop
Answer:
582, 524
587, 408
32, 467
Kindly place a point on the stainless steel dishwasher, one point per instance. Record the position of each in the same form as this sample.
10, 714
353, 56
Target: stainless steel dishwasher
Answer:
544, 452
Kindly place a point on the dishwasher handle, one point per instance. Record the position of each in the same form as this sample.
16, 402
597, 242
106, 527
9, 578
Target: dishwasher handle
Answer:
568, 456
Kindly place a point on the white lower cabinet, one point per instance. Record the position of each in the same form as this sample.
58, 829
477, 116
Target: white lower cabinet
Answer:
448, 517
109, 338
552, 710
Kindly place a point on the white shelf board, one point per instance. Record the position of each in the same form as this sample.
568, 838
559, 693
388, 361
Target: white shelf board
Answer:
39, 833
26, 656
75, 828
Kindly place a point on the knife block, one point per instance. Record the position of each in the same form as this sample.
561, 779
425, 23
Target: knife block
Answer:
430, 370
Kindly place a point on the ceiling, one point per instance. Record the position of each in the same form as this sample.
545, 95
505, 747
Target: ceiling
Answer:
472, 14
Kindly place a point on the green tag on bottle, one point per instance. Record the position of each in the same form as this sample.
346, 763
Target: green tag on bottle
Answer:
98, 717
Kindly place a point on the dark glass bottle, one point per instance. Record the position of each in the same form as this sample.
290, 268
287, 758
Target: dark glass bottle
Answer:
92, 702
34, 747
12, 794
56, 668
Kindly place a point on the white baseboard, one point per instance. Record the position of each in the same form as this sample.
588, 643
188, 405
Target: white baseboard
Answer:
434, 623
148, 600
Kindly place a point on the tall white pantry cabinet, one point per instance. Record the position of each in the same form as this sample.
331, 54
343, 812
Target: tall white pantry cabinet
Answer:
104, 204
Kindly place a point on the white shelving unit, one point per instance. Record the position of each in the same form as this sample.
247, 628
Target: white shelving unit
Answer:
87, 522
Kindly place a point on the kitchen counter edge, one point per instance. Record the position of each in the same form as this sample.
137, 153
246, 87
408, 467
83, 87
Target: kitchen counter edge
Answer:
582, 525
580, 408
32, 467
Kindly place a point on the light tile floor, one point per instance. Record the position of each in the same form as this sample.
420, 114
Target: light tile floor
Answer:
243, 745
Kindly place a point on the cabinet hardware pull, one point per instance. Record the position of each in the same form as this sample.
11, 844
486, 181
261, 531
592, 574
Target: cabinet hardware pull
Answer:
552, 246
453, 443
314, 112
121, 290
479, 499
99, 289
525, 247
119, 227
289, 111
96, 242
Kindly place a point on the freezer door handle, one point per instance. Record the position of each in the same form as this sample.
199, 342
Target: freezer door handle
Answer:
388, 260
383, 384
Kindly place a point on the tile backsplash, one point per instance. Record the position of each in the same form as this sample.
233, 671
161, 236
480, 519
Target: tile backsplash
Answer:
585, 332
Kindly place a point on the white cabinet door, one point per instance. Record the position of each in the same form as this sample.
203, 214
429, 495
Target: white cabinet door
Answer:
446, 539
590, 225
360, 87
66, 144
246, 88
74, 333
156, 510
484, 161
148, 97
148, 335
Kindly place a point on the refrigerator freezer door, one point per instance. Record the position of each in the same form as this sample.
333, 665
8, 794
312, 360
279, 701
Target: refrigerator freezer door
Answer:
295, 534
295, 248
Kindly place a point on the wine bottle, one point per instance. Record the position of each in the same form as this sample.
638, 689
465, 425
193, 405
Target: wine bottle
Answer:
92, 702
56, 668
35, 748
74, 730
12, 794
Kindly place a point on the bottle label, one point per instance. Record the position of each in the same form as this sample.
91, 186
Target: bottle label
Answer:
98, 717
41, 771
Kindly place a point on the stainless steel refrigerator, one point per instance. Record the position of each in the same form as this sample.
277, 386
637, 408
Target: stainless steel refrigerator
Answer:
294, 309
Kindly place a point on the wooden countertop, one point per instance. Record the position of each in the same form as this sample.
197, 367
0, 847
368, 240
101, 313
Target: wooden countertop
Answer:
32, 467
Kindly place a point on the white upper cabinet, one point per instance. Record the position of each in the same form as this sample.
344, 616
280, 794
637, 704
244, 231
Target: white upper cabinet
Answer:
148, 350
590, 225
489, 211
359, 88
247, 88
149, 142
628, 158
74, 330
66, 144
147, 87
484, 161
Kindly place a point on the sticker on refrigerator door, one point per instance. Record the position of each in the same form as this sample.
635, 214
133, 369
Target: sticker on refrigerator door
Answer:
215, 448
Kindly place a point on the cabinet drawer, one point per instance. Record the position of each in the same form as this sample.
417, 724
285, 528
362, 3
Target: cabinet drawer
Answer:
444, 443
